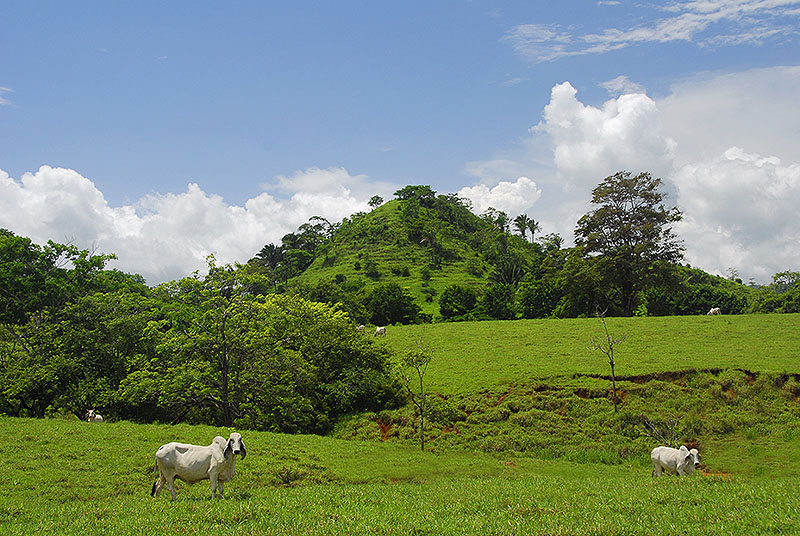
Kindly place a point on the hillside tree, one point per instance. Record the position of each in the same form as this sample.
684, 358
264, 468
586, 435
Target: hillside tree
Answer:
521, 224
607, 348
418, 360
629, 234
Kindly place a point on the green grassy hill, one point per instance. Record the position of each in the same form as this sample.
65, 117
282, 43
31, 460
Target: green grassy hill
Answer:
424, 249
536, 388
476, 356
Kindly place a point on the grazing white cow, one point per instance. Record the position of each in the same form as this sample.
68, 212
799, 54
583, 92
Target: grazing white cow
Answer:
193, 463
380, 330
93, 416
680, 461
714, 311
360, 328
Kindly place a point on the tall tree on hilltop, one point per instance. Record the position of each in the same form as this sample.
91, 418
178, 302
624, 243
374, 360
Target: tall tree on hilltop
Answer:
521, 224
628, 234
533, 227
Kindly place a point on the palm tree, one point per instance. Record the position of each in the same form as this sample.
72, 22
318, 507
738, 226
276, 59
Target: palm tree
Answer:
533, 227
521, 222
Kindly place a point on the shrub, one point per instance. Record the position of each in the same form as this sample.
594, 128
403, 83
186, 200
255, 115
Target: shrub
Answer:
457, 300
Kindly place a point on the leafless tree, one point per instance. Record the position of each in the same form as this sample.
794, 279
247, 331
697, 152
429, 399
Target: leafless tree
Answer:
665, 432
418, 359
607, 347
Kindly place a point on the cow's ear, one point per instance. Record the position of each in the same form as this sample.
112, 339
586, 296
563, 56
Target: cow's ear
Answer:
228, 450
244, 450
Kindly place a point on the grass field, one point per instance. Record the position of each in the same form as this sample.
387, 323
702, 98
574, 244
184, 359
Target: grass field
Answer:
69, 477
473, 356
532, 445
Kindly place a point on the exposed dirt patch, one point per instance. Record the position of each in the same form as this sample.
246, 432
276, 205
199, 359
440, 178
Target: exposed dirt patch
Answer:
386, 428
502, 397
718, 474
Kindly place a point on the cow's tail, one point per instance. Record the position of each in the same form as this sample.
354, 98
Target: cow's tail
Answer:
155, 481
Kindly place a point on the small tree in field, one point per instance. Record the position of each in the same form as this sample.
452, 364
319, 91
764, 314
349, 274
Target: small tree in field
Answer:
418, 360
607, 347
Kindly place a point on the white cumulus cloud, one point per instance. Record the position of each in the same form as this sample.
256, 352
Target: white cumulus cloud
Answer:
591, 143
740, 211
510, 197
726, 146
168, 236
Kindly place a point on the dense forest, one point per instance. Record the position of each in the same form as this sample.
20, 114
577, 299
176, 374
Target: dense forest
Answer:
271, 344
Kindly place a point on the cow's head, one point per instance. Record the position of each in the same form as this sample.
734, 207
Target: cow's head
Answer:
695, 458
235, 446
690, 460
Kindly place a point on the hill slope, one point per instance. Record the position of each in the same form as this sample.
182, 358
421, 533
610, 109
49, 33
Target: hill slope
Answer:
472, 357
427, 243
535, 387
422, 248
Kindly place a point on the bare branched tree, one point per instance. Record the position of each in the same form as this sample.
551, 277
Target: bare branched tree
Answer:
607, 347
418, 360
665, 432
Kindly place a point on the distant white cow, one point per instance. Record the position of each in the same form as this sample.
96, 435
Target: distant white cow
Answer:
380, 330
360, 328
192, 463
680, 461
93, 416
714, 311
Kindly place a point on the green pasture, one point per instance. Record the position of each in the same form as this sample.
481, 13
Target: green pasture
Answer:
523, 441
70, 477
470, 357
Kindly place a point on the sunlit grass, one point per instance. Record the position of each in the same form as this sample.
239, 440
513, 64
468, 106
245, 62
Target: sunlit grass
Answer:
67, 477
473, 356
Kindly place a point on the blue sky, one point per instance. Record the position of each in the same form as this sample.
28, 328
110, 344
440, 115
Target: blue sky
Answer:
167, 131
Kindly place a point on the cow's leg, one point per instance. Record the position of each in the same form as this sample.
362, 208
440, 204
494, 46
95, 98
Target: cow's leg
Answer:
221, 485
657, 469
213, 478
171, 486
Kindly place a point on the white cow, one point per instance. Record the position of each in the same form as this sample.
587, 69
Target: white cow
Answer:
380, 330
93, 416
680, 461
193, 463
714, 311
360, 328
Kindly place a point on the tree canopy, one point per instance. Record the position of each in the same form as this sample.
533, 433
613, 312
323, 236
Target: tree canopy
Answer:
628, 234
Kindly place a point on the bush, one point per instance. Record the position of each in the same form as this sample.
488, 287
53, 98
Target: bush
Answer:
498, 302
390, 303
457, 300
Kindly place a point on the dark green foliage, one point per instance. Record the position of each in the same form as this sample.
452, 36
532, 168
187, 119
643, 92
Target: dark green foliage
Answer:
537, 299
274, 362
216, 349
498, 302
37, 285
347, 295
389, 303
456, 301
422, 194
782, 296
510, 270
628, 234
694, 292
